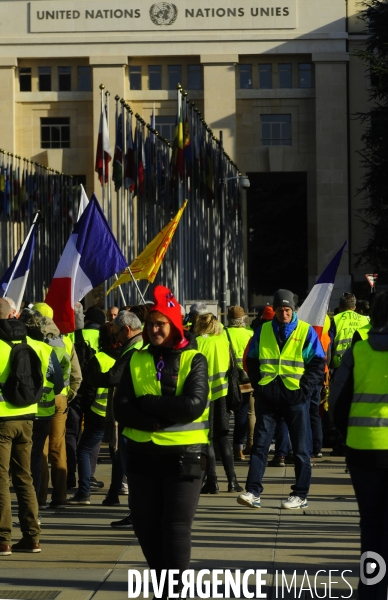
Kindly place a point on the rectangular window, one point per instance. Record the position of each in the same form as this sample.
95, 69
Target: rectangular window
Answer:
194, 77
44, 79
135, 78
154, 77
165, 126
84, 79
265, 77
276, 130
245, 77
285, 75
64, 79
305, 79
174, 76
55, 132
25, 79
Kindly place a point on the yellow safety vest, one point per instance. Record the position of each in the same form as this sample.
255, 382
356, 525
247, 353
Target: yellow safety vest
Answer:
364, 331
7, 409
92, 336
46, 405
106, 362
287, 364
216, 350
136, 346
239, 337
368, 416
66, 364
143, 373
346, 323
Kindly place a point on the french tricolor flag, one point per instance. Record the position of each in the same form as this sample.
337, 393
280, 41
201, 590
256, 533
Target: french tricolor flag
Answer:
14, 281
314, 308
91, 256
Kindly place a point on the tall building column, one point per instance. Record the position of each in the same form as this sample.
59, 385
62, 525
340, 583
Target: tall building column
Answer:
329, 219
219, 82
7, 103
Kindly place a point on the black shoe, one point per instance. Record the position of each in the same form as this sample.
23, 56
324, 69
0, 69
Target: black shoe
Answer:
234, 486
57, 505
78, 498
111, 500
125, 523
210, 487
94, 484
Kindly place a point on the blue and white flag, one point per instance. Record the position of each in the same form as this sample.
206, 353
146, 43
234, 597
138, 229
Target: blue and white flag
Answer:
14, 282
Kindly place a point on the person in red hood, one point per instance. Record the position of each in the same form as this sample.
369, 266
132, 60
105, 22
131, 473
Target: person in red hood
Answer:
162, 403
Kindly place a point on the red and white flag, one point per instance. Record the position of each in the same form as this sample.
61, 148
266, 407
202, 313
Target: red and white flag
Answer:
314, 308
104, 152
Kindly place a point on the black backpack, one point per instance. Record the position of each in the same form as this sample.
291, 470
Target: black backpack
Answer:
84, 350
24, 385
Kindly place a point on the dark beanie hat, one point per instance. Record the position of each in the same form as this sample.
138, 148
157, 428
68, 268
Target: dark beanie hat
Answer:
283, 298
95, 314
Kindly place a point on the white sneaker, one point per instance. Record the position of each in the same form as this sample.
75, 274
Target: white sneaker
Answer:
294, 502
249, 499
124, 489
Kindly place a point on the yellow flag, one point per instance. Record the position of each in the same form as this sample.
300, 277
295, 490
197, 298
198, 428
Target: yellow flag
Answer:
147, 264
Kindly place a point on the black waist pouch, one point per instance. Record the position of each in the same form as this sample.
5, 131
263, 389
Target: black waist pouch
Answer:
191, 465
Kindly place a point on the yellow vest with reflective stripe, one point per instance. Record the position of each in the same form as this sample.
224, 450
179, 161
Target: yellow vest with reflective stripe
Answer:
106, 362
46, 405
216, 350
368, 416
7, 409
287, 364
239, 336
143, 373
364, 331
346, 323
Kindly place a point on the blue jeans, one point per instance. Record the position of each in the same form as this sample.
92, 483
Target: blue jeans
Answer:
371, 489
91, 436
241, 421
297, 420
315, 421
282, 439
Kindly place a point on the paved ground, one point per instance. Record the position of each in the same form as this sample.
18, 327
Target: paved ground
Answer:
83, 558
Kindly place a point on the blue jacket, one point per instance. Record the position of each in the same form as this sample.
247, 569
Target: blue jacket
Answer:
313, 356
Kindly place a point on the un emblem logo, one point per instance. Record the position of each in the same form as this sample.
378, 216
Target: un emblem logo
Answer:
163, 13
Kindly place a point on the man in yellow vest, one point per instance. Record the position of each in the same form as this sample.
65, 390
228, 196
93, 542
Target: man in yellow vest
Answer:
359, 404
15, 450
342, 328
285, 362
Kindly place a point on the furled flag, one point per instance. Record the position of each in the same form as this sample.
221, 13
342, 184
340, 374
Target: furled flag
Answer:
177, 152
147, 264
117, 174
91, 256
314, 308
83, 202
103, 148
130, 168
14, 281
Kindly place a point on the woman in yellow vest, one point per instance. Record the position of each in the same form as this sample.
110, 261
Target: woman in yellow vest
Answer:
94, 402
359, 402
162, 403
215, 346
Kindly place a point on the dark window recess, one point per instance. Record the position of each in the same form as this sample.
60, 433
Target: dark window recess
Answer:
285, 75
135, 78
174, 76
265, 77
64, 79
165, 126
44, 79
154, 77
55, 132
305, 79
25, 79
84, 83
245, 77
276, 130
194, 77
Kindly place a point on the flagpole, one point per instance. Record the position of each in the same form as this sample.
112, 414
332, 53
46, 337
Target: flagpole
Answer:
102, 87
38, 214
135, 282
180, 201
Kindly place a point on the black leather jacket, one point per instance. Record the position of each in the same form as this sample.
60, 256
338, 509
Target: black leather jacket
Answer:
151, 413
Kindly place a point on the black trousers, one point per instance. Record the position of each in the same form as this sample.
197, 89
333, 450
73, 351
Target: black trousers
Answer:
163, 509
